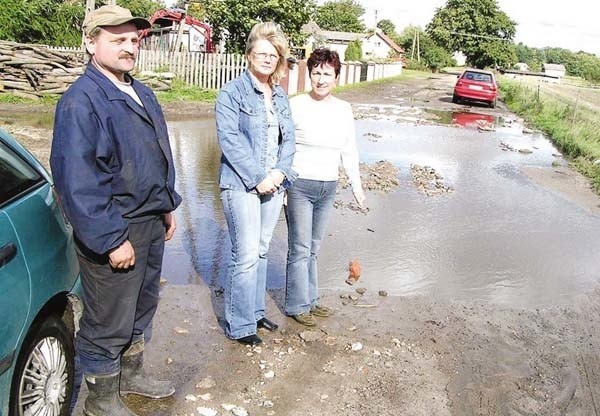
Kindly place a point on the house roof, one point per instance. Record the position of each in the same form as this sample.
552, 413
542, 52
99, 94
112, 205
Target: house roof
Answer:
312, 28
553, 67
387, 40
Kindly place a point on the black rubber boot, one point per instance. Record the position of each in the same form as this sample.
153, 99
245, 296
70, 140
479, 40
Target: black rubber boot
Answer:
134, 379
103, 396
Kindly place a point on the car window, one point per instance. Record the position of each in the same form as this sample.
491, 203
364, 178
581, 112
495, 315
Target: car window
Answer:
16, 175
478, 76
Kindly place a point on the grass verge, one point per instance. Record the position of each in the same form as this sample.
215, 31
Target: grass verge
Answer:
573, 129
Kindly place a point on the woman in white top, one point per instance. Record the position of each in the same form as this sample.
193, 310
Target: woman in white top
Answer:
324, 136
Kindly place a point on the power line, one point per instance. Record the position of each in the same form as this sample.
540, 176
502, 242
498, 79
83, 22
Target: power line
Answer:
481, 36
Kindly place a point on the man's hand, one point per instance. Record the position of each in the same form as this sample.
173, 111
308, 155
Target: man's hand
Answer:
122, 257
170, 225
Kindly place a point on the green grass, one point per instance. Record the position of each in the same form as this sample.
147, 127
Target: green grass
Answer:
15, 99
181, 92
574, 130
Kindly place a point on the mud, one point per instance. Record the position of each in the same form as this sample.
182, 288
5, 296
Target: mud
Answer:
377, 355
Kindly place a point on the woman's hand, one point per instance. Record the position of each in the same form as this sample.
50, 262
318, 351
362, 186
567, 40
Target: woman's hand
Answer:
277, 177
266, 186
359, 196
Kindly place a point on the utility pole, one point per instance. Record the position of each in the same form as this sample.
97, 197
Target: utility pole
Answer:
89, 7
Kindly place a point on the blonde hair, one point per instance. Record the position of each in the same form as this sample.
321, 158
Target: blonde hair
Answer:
271, 32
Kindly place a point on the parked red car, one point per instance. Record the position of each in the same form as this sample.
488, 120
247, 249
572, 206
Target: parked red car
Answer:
476, 85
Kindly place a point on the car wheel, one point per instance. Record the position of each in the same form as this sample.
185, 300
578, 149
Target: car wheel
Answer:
43, 378
493, 104
455, 99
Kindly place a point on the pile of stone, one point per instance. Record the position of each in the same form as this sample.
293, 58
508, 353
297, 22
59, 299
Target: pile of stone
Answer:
428, 181
381, 176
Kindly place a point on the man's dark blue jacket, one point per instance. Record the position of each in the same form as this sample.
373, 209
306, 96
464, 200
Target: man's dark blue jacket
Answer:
111, 160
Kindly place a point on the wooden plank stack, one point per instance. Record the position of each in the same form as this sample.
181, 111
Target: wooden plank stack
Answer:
32, 71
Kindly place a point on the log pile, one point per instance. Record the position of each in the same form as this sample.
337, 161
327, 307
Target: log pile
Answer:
32, 71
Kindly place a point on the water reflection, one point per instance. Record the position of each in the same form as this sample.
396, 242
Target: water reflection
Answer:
497, 238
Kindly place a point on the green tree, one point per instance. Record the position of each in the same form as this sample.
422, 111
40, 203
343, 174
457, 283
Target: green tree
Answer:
341, 15
232, 20
430, 55
478, 28
55, 22
387, 26
353, 51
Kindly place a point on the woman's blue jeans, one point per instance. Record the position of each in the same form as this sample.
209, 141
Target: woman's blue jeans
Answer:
309, 203
251, 219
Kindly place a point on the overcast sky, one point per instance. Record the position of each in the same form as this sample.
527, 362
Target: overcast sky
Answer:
572, 25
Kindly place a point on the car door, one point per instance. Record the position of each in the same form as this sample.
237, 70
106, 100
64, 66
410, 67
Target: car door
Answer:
17, 178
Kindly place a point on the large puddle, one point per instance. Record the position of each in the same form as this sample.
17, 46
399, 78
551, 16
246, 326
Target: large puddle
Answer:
498, 237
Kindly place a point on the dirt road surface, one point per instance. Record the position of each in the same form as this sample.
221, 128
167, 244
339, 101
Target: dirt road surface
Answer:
378, 355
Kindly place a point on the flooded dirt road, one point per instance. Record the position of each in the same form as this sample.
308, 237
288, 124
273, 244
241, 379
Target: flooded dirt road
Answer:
478, 297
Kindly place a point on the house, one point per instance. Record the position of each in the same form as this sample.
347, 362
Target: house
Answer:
521, 66
554, 70
375, 45
378, 45
336, 41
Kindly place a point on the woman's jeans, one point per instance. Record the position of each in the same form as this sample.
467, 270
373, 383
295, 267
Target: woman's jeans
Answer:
251, 219
309, 203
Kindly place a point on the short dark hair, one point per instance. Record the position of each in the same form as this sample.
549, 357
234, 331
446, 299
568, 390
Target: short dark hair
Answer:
324, 56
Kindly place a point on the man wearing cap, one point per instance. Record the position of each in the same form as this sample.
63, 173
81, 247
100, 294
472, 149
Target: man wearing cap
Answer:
113, 170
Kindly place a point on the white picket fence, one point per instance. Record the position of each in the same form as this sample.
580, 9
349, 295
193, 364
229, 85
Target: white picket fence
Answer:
205, 70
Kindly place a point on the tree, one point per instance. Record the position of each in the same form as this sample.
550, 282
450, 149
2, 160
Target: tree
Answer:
341, 16
431, 56
55, 22
387, 27
232, 20
478, 28
353, 51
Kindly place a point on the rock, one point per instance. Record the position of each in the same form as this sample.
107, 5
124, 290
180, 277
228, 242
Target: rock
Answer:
190, 398
361, 290
206, 396
354, 269
383, 293
524, 150
269, 374
181, 331
227, 406
356, 346
206, 383
239, 411
309, 336
206, 411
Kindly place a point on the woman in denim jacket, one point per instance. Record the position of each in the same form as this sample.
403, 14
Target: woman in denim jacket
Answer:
257, 140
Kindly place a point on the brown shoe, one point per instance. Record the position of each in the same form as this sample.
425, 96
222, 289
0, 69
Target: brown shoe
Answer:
321, 311
305, 319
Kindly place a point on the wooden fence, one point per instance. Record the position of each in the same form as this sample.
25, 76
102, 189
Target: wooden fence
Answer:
212, 71
157, 68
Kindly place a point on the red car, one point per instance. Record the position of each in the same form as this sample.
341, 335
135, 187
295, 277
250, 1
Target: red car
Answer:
476, 85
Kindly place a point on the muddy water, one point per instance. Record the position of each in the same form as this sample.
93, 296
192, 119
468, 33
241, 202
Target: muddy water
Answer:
497, 237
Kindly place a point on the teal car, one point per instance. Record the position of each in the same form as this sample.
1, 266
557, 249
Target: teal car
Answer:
39, 306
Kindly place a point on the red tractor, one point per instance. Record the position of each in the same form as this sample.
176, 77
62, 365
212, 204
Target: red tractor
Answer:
193, 36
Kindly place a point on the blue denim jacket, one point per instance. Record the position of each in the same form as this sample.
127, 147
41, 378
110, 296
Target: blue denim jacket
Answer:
242, 131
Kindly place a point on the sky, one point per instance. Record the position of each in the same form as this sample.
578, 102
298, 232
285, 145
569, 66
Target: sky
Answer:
572, 25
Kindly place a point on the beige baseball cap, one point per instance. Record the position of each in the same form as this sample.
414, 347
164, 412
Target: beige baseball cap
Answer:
112, 15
